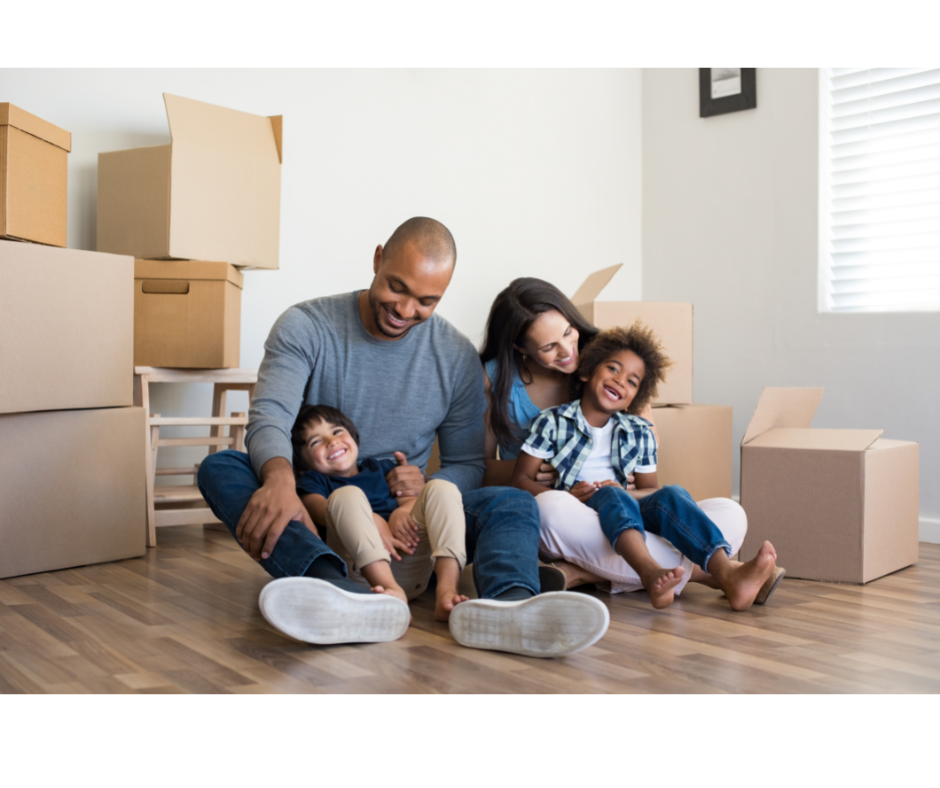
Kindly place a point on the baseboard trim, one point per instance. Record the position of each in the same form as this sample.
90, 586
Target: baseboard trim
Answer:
929, 530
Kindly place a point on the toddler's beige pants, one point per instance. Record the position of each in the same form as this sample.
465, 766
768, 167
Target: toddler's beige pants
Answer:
438, 512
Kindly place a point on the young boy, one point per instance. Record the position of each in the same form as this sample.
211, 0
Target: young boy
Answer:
596, 441
365, 524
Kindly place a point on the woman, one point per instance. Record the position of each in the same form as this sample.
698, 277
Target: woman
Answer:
533, 340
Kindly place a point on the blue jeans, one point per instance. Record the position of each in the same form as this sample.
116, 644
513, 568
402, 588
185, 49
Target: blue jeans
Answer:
669, 512
502, 528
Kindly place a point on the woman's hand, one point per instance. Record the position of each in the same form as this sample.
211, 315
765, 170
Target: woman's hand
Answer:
404, 528
583, 490
546, 475
391, 543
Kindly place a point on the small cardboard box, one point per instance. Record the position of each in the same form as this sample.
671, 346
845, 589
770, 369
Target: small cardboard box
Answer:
695, 448
187, 314
213, 193
838, 505
66, 329
33, 177
72, 483
671, 322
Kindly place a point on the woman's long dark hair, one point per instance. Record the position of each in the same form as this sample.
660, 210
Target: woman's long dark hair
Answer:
513, 311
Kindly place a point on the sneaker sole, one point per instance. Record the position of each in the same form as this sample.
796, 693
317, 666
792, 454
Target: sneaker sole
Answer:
315, 611
554, 624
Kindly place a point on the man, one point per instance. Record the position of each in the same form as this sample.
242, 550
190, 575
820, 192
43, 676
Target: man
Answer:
403, 375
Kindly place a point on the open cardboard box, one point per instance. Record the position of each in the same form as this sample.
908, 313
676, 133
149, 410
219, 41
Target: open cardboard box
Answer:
838, 505
671, 322
213, 193
695, 448
33, 177
187, 314
72, 483
66, 328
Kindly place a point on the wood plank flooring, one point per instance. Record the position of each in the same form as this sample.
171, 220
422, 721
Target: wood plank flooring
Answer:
184, 619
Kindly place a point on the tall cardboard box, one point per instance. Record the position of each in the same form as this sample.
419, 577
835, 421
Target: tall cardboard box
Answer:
695, 448
66, 329
72, 486
671, 322
213, 193
838, 505
33, 177
187, 314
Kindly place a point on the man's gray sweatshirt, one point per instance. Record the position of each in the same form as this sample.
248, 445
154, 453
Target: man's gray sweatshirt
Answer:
398, 393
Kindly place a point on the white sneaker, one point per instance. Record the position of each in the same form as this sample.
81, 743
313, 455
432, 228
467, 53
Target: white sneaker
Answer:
555, 624
316, 611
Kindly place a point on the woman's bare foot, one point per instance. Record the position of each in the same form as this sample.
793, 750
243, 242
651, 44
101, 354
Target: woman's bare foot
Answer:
742, 582
395, 591
575, 575
447, 600
660, 583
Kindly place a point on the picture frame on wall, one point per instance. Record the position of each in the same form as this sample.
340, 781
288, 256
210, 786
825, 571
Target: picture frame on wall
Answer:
724, 90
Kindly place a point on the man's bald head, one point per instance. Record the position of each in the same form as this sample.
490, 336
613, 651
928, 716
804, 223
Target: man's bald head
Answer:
431, 238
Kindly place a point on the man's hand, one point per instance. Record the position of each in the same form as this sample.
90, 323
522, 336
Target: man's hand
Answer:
270, 509
405, 481
546, 475
583, 490
404, 528
390, 542
607, 483
631, 482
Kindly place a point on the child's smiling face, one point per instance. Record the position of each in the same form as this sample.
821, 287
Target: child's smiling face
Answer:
614, 382
329, 449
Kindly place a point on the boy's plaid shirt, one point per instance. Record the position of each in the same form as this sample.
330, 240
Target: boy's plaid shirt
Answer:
564, 431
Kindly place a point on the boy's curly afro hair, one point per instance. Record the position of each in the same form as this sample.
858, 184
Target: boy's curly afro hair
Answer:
642, 341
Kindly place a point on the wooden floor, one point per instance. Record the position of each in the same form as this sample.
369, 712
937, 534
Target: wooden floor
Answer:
184, 619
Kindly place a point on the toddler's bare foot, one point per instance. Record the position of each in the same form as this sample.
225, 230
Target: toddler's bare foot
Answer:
396, 591
745, 580
447, 600
661, 583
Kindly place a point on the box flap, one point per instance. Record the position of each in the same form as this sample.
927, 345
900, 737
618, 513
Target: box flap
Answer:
783, 407
277, 124
594, 284
11, 115
187, 269
221, 129
822, 440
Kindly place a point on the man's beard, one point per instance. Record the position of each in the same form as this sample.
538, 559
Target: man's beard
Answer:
377, 310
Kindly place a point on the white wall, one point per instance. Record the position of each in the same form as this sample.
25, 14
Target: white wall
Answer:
536, 172
730, 223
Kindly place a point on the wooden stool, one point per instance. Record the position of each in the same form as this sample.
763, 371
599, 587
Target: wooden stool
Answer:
177, 502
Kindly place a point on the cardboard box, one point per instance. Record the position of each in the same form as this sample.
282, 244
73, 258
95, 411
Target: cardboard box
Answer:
33, 177
187, 314
838, 505
66, 329
213, 193
672, 323
695, 448
72, 484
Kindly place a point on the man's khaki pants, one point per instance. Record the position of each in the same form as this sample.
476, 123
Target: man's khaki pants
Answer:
438, 512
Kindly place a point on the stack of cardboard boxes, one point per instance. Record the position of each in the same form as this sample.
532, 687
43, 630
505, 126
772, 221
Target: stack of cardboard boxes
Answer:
192, 213
695, 440
71, 446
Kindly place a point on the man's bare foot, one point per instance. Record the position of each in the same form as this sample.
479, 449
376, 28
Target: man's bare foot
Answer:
745, 580
660, 584
447, 600
575, 575
396, 591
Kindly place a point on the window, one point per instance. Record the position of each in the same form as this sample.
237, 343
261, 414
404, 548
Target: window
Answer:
879, 198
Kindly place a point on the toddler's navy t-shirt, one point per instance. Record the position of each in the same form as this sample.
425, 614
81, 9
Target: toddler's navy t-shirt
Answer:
370, 479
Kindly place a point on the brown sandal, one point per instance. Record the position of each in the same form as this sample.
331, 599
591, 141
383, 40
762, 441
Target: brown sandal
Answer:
770, 585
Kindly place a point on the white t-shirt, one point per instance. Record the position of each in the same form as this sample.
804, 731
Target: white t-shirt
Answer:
597, 467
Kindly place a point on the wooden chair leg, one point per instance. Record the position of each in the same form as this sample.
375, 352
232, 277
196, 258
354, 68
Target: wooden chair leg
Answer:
219, 396
153, 439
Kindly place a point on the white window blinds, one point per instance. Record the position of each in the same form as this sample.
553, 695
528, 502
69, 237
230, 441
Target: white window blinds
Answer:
879, 189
